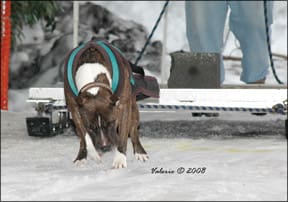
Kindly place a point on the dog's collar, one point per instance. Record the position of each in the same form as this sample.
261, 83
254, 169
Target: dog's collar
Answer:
96, 84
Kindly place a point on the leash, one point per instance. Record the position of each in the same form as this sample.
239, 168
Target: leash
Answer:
152, 32
269, 44
280, 108
276, 109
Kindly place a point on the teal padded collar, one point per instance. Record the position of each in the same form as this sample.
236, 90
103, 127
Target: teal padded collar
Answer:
113, 60
115, 67
70, 69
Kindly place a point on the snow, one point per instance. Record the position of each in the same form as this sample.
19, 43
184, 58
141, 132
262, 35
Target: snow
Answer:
234, 168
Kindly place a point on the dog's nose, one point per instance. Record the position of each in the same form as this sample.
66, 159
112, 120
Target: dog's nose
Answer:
105, 148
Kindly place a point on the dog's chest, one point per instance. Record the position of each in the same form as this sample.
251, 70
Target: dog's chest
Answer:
89, 73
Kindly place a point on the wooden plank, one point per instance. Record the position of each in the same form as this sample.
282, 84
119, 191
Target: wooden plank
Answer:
243, 86
255, 86
46, 93
263, 98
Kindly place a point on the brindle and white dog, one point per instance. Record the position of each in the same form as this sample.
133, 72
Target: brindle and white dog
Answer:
104, 115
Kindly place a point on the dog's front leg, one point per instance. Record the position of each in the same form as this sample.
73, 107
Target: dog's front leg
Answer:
139, 151
81, 131
82, 154
86, 143
120, 160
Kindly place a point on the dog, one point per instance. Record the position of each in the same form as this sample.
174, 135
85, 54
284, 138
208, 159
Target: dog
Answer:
98, 91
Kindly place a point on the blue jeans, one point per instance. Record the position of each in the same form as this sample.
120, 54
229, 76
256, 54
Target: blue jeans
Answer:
205, 21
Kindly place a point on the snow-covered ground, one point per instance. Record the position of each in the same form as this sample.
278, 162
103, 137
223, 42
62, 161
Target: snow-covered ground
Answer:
234, 168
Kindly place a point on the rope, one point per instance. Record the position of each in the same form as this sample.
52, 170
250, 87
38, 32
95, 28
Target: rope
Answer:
152, 32
279, 110
276, 109
269, 44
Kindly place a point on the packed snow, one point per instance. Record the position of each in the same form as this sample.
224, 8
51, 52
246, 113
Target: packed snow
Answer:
229, 167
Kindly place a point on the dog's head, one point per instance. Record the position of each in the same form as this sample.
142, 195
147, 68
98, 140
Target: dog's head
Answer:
99, 116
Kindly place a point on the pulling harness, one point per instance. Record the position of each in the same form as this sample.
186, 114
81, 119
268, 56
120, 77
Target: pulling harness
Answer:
109, 52
142, 86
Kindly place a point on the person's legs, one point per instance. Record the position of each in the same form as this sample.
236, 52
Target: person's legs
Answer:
247, 22
205, 21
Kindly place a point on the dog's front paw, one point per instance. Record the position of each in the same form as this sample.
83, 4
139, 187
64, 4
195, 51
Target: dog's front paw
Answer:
82, 154
80, 163
120, 160
141, 157
92, 153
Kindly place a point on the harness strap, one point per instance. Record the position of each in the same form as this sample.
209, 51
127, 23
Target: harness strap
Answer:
120, 58
70, 69
115, 60
95, 84
114, 63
